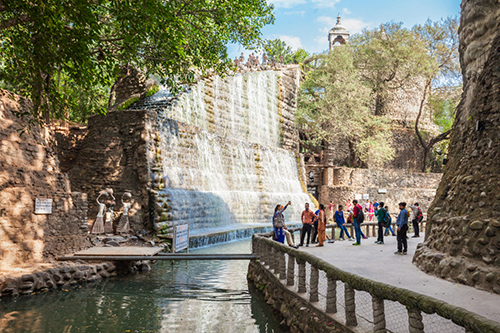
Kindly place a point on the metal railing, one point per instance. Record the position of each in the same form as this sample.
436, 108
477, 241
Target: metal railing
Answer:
359, 303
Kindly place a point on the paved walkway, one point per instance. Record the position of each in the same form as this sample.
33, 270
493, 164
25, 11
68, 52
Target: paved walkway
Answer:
379, 263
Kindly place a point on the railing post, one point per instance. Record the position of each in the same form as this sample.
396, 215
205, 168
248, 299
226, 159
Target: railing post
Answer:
290, 275
331, 296
272, 259
281, 265
350, 306
378, 314
302, 276
313, 290
415, 320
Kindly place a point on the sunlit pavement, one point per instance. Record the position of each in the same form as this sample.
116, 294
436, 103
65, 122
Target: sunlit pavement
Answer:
379, 263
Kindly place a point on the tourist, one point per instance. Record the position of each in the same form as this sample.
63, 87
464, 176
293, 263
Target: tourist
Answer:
357, 212
321, 220
375, 205
402, 224
371, 211
307, 218
417, 217
280, 229
349, 207
330, 209
367, 205
339, 219
314, 228
389, 222
380, 213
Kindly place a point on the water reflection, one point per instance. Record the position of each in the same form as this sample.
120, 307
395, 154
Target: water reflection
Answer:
196, 296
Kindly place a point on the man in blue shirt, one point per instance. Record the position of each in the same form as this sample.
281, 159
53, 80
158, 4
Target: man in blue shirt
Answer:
402, 224
339, 218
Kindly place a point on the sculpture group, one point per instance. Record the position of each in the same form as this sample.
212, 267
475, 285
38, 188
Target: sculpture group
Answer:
103, 223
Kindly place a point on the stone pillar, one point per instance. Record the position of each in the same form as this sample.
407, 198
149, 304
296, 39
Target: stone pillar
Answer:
272, 259
415, 321
331, 296
302, 276
281, 265
350, 306
290, 276
313, 292
378, 314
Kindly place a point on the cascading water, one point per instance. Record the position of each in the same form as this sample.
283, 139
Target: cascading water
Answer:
221, 158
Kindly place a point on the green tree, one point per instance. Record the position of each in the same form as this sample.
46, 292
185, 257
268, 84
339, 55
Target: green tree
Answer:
442, 79
390, 58
334, 104
47, 46
277, 48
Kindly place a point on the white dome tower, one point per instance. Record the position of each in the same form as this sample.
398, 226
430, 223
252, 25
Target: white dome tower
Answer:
338, 34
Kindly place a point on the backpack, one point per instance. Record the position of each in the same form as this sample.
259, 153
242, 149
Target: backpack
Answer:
386, 219
279, 221
420, 215
361, 216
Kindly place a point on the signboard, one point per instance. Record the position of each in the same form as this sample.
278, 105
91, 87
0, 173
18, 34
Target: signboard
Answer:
382, 190
181, 237
358, 197
366, 196
43, 206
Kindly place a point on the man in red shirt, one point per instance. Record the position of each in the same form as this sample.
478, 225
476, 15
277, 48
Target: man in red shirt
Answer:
308, 217
357, 224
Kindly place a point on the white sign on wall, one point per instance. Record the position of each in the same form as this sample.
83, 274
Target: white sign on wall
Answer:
181, 237
366, 196
358, 196
382, 190
43, 206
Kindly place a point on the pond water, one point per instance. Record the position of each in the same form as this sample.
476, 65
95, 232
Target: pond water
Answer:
194, 296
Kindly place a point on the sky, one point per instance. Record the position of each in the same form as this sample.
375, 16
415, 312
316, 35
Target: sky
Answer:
305, 23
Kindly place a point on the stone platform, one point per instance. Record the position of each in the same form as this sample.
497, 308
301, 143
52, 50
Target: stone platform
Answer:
379, 263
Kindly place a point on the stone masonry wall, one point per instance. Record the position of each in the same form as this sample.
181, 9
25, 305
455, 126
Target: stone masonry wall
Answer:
117, 152
29, 169
342, 184
463, 237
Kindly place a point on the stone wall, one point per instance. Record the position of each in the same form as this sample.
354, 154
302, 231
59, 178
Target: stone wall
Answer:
62, 275
297, 314
29, 169
117, 152
463, 237
342, 184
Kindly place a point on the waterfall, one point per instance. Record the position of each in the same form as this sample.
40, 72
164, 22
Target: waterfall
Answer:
221, 158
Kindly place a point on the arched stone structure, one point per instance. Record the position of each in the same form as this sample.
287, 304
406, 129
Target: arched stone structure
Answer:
338, 34
463, 235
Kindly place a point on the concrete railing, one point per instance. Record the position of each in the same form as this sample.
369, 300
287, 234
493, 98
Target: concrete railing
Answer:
361, 304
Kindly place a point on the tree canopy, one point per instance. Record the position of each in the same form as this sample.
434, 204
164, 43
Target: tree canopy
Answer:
50, 47
334, 104
277, 48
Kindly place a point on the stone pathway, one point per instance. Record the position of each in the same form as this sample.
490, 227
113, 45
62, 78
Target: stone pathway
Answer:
379, 263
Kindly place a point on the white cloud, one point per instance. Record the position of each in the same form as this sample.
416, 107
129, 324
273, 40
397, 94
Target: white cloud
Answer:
286, 3
329, 21
292, 41
325, 3
346, 11
298, 12
322, 40
352, 25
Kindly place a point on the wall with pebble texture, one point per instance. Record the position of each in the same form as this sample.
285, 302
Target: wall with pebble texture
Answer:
463, 237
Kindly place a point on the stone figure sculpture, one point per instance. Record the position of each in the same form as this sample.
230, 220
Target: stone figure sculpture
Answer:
124, 225
108, 221
98, 226
264, 59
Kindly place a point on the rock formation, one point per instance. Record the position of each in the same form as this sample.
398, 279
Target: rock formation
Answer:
463, 236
